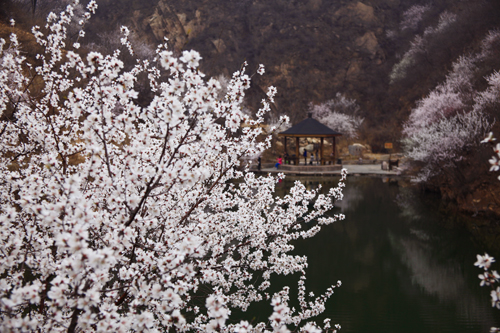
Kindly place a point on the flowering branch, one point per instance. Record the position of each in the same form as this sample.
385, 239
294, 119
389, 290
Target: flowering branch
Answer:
490, 278
120, 216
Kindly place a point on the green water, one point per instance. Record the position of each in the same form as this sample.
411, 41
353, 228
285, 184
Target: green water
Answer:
403, 267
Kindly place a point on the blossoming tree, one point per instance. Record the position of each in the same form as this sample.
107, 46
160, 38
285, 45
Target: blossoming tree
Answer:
452, 118
340, 114
118, 217
419, 46
413, 16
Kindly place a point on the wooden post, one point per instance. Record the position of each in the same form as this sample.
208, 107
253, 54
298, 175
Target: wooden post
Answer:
333, 152
297, 157
284, 138
321, 152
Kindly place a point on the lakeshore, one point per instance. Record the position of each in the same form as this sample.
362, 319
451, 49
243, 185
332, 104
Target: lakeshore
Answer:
318, 170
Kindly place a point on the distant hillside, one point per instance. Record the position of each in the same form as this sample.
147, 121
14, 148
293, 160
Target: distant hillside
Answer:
312, 49
386, 54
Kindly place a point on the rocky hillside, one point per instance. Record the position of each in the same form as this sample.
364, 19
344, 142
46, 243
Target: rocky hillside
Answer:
312, 49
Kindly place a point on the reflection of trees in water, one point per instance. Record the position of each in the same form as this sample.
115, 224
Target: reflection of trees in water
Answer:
409, 204
431, 269
311, 183
444, 279
410, 279
353, 195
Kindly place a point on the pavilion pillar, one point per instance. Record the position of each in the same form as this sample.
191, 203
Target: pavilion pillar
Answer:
297, 157
284, 139
321, 152
333, 151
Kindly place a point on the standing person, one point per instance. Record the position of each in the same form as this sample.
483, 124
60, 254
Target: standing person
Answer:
305, 156
311, 162
259, 163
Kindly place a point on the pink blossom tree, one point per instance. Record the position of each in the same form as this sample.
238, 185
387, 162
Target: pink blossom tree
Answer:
119, 217
447, 99
413, 16
339, 114
420, 44
442, 143
452, 117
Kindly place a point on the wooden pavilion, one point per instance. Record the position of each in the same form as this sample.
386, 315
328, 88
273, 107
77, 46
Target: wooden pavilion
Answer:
310, 128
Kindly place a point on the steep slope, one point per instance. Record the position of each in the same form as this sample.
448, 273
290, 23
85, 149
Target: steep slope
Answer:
312, 49
386, 54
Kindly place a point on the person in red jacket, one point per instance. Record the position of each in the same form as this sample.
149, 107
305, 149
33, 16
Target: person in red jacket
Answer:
279, 161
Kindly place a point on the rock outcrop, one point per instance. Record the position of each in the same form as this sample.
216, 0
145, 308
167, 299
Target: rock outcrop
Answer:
312, 49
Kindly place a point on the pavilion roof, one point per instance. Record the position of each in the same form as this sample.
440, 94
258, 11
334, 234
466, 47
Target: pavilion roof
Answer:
311, 128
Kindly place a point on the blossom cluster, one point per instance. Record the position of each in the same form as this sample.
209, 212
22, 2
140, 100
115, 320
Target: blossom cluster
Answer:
494, 161
413, 16
453, 116
420, 43
117, 216
340, 114
442, 143
489, 279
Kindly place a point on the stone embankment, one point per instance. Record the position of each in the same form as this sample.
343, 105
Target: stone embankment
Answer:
312, 170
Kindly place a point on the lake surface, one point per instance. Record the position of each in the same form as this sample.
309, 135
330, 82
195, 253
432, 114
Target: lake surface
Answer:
402, 267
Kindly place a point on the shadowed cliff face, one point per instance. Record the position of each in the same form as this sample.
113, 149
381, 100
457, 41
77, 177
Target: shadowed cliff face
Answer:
312, 49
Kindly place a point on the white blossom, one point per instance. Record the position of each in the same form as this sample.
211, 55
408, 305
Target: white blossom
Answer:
484, 261
117, 216
489, 138
489, 278
495, 298
261, 70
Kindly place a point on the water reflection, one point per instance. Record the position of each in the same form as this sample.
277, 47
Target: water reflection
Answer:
409, 203
402, 269
352, 197
444, 279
